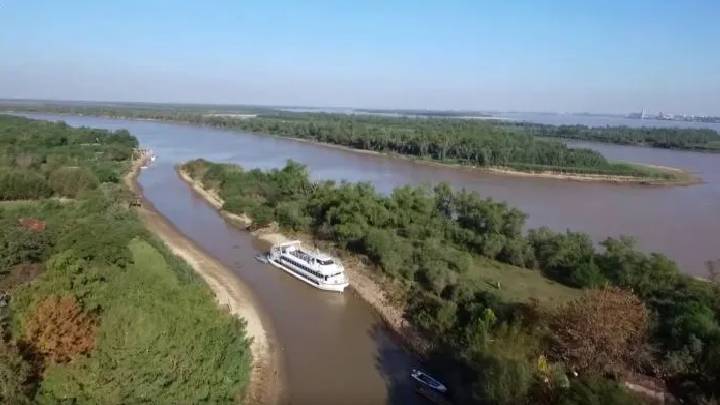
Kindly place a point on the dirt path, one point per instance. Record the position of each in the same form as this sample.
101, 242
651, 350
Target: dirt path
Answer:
265, 384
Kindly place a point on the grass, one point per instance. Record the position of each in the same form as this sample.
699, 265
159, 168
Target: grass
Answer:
713, 146
157, 334
660, 173
159, 339
517, 285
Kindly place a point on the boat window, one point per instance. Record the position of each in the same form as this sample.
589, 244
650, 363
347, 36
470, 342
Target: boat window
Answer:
325, 262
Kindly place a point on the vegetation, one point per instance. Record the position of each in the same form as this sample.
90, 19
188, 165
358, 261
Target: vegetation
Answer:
93, 309
604, 330
481, 143
595, 391
639, 313
59, 330
668, 138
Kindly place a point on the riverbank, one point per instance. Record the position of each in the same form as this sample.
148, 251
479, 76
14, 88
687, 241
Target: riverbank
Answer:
265, 381
382, 295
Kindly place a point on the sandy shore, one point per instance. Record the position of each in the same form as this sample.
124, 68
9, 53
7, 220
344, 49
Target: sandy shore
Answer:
376, 291
231, 294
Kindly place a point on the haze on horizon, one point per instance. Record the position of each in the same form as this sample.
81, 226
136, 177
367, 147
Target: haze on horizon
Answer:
564, 56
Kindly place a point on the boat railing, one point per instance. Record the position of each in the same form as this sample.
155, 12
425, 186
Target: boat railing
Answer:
342, 279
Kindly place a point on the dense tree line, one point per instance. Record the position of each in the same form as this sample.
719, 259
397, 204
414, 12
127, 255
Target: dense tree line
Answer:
468, 142
461, 141
93, 308
419, 125
431, 239
669, 138
39, 159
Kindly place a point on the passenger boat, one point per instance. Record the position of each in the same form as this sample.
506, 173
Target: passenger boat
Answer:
425, 379
314, 268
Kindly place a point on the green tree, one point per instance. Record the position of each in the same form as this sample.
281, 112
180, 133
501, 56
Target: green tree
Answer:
562, 255
22, 184
15, 376
71, 181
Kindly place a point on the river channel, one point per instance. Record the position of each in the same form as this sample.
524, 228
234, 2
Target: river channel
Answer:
333, 346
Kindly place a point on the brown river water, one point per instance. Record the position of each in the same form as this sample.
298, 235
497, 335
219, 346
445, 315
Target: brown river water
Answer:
333, 347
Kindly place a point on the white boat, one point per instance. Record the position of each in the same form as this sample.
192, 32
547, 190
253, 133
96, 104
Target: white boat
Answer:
425, 379
153, 157
314, 268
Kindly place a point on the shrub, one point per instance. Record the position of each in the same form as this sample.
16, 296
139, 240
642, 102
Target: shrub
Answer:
596, 391
15, 376
492, 245
561, 255
59, 330
432, 313
517, 252
504, 366
99, 238
291, 215
389, 251
261, 215
604, 331
19, 245
22, 185
240, 204
71, 181
587, 275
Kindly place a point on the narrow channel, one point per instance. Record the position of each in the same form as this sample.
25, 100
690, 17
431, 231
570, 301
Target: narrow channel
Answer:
333, 347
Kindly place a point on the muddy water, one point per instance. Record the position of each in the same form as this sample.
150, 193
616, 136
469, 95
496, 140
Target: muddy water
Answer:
333, 346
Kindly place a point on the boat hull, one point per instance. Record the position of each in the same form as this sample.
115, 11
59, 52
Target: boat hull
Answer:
425, 380
298, 275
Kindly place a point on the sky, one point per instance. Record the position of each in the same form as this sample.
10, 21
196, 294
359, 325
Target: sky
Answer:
551, 56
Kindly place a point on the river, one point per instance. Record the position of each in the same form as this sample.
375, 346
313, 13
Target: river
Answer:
333, 345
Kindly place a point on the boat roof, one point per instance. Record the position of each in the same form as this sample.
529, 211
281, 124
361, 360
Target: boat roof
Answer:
288, 243
314, 253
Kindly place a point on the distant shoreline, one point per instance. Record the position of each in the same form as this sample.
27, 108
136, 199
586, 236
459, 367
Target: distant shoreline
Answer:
682, 177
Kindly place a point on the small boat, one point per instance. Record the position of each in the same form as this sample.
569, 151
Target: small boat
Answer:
153, 157
425, 379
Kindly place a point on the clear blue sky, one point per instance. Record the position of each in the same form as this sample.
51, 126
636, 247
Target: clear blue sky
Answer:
597, 56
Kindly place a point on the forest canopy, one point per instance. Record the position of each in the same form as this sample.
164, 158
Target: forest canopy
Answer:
93, 308
440, 243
